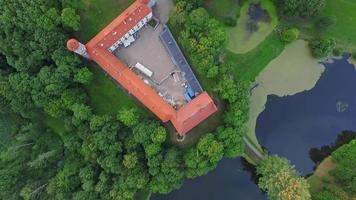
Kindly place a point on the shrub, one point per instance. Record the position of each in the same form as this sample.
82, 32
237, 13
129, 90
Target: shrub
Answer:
290, 35
337, 52
325, 22
354, 55
230, 21
300, 8
70, 18
322, 47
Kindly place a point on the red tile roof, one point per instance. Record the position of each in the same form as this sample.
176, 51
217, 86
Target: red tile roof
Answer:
193, 113
186, 117
72, 44
121, 25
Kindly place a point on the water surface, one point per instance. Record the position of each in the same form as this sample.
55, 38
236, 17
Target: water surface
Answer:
290, 126
229, 181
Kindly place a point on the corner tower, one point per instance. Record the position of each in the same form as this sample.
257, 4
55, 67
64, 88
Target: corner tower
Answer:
77, 47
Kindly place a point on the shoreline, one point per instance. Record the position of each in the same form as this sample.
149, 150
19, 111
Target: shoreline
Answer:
297, 71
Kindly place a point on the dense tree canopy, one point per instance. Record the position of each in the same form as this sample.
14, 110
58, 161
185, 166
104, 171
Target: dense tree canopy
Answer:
322, 47
344, 172
93, 156
280, 180
300, 8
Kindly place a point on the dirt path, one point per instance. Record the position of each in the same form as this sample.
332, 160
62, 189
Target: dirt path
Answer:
162, 10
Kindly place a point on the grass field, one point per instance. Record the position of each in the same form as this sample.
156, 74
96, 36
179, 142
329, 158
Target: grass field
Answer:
321, 175
105, 96
96, 14
247, 66
240, 40
222, 9
345, 29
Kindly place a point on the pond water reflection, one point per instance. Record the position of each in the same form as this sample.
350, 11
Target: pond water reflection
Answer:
290, 126
231, 180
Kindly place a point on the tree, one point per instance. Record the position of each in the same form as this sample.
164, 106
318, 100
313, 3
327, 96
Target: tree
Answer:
128, 116
290, 35
300, 8
325, 22
232, 141
170, 175
130, 160
331, 193
280, 180
204, 157
70, 18
83, 76
81, 112
344, 172
322, 47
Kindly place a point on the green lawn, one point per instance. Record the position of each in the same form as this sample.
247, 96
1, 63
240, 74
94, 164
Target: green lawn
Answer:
96, 14
222, 9
247, 66
345, 29
242, 41
105, 95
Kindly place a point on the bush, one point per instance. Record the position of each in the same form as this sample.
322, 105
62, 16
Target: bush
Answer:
322, 47
325, 22
290, 35
300, 8
70, 18
354, 55
337, 52
230, 21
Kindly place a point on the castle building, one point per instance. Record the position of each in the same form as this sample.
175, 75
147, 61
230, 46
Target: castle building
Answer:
122, 33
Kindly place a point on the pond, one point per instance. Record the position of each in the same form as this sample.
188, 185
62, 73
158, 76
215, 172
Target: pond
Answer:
232, 179
291, 125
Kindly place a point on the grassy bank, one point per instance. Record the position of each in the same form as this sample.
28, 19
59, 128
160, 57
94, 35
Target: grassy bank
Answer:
223, 9
247, 66
345, 29
321, 176
96, 14
241, 40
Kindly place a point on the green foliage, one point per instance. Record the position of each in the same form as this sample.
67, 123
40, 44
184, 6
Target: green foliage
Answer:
130, 160
230, 21
337, 51
325, 23
81, 112
70, 18
76, 4
322, 47
289, 35
330, 193
344, 172
83, 76
325, 195
203, 158
203, 38
129, 117
300, 8
231, 140
280, 180
354, 55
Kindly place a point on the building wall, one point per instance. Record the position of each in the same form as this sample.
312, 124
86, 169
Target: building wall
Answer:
131, 32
